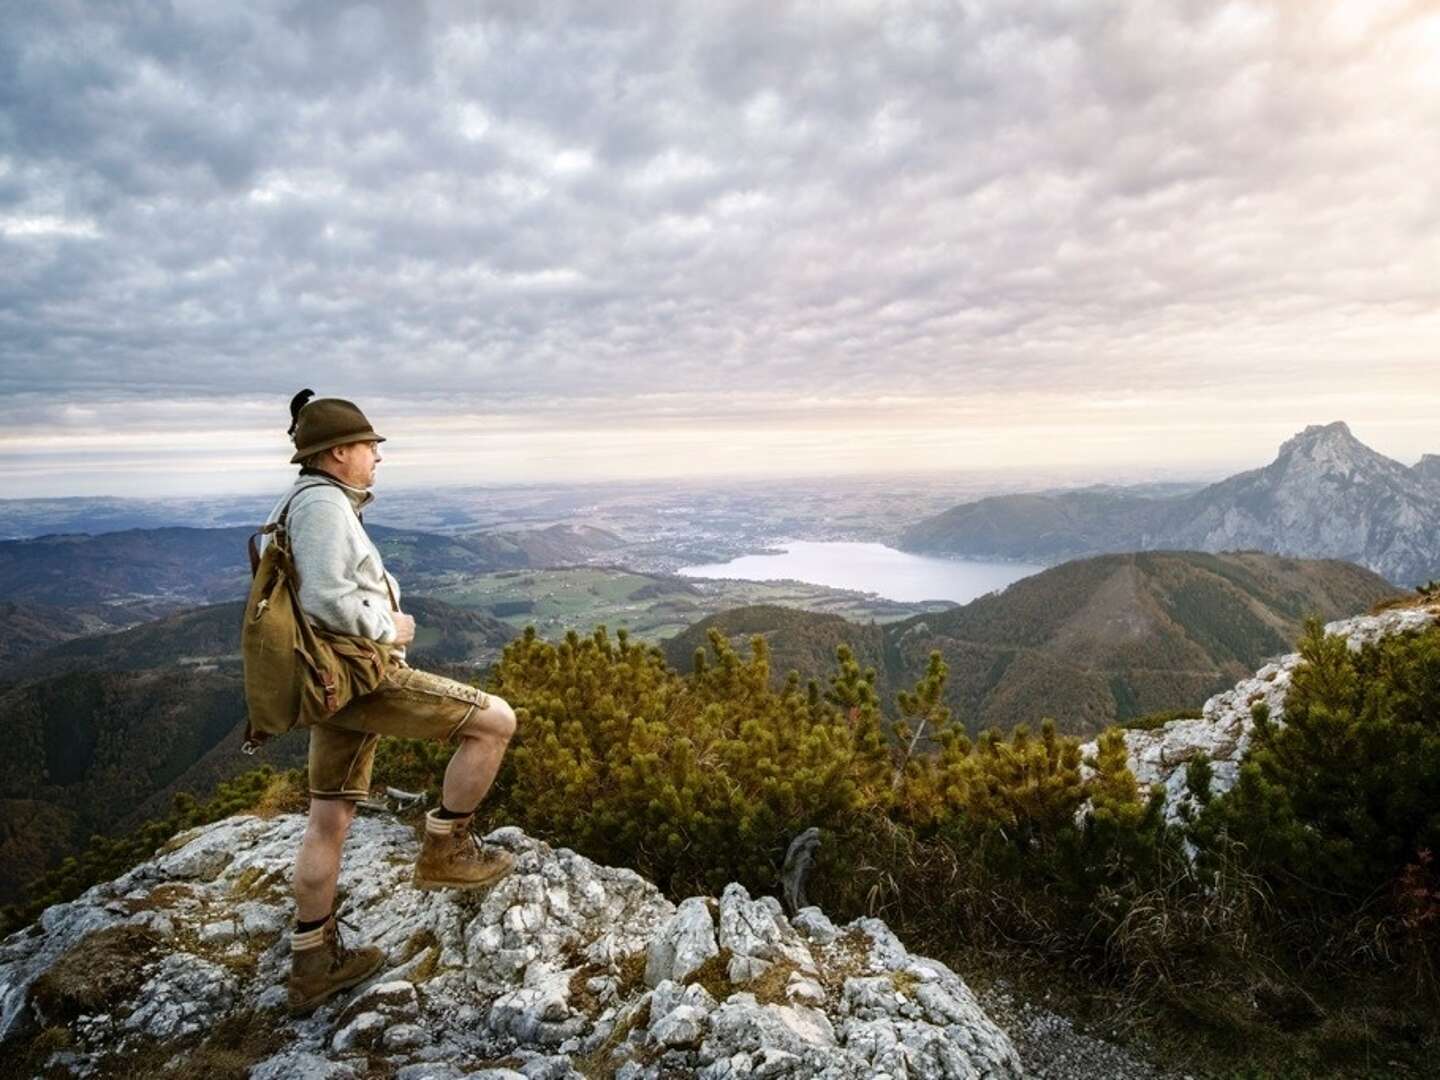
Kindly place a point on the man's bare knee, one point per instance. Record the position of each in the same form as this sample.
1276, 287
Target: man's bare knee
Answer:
330, 818
495, 722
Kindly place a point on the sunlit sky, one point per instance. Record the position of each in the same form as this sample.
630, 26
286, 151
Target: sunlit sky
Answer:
576, 241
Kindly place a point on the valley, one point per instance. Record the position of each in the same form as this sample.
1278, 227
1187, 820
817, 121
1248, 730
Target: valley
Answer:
114, 633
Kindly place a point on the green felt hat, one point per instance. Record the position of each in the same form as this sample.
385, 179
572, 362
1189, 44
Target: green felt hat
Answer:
321, 423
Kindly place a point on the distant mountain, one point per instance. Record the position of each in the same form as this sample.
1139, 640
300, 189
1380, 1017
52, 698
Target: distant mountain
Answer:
1087, 642
21, 518
101, 730
176, 565
1325, 495
1037, 528
74, 584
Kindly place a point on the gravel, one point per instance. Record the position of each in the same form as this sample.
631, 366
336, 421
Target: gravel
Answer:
1051, 1047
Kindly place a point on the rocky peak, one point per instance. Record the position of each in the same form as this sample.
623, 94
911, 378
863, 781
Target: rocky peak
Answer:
565, 969
1428, 470
1330, 447
1326, 495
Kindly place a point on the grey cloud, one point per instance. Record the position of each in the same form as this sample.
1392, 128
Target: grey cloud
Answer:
599, 200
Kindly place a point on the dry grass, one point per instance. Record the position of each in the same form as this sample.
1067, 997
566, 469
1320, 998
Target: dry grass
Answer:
425, 970
596, 1065
161, 898
714, 975
256, 884
769, 986
630, 972
1426, 596
287, 793
99, 971
904, 982
232, 1048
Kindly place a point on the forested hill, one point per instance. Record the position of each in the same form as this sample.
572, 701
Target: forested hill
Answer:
100, 731
803, 641
1087, 642
210, 636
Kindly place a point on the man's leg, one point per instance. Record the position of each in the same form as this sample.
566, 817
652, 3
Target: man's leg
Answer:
473, 766
320, 965
451, 857
419, 704
317, 865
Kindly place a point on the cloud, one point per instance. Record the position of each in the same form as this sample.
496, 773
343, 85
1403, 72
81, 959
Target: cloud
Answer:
558, 212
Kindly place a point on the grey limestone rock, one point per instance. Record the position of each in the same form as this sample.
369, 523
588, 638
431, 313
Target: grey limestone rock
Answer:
799, 859
757, 934
181, 998
539, 969
687, 942
815, 925
682, 1026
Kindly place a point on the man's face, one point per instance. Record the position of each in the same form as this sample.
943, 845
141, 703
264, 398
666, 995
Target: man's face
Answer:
355, 463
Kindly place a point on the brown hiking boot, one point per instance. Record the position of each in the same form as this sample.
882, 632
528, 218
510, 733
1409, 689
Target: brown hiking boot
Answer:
321, 966
452, 858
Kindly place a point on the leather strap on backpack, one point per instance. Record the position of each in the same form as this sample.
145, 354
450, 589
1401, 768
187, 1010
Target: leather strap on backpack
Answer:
278, 524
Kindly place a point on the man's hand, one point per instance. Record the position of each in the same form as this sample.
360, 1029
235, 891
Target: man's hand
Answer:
404, 628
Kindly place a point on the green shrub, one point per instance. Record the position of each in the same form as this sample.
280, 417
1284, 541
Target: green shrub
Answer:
1334, 803
1152, 721
694, 781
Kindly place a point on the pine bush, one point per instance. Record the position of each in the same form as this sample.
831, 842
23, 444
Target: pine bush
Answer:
1338, 799
695, 781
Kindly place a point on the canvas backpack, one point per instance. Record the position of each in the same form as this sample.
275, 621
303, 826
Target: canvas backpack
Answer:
296, 673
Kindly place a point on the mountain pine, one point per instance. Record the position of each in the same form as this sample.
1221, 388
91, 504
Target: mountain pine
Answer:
1339, 798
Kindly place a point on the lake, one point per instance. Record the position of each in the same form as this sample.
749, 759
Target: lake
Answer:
895, 575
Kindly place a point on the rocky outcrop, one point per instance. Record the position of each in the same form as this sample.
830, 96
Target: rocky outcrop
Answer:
1223, 730
1428, 470
565, 969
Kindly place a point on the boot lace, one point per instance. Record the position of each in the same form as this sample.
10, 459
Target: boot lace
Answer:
339, 954
474, 852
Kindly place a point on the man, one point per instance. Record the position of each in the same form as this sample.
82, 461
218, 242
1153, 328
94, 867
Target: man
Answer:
345, 588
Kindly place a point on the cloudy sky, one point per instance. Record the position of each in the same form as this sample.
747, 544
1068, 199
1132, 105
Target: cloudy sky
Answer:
585, 240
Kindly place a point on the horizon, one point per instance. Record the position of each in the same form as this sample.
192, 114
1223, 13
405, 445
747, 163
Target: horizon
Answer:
998, 480
562, 244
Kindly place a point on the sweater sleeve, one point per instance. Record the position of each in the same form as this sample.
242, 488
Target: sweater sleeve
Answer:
327, 561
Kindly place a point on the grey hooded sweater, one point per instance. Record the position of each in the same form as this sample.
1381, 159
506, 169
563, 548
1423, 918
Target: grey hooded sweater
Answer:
343, 583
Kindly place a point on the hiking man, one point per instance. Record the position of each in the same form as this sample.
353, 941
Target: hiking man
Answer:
343, 586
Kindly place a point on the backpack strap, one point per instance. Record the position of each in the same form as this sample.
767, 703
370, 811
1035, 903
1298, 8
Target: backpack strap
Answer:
278, 525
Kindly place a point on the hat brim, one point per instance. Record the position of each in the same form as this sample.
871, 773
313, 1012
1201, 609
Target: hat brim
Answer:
340, 440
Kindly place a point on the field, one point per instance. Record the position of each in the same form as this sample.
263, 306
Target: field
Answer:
651, 607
